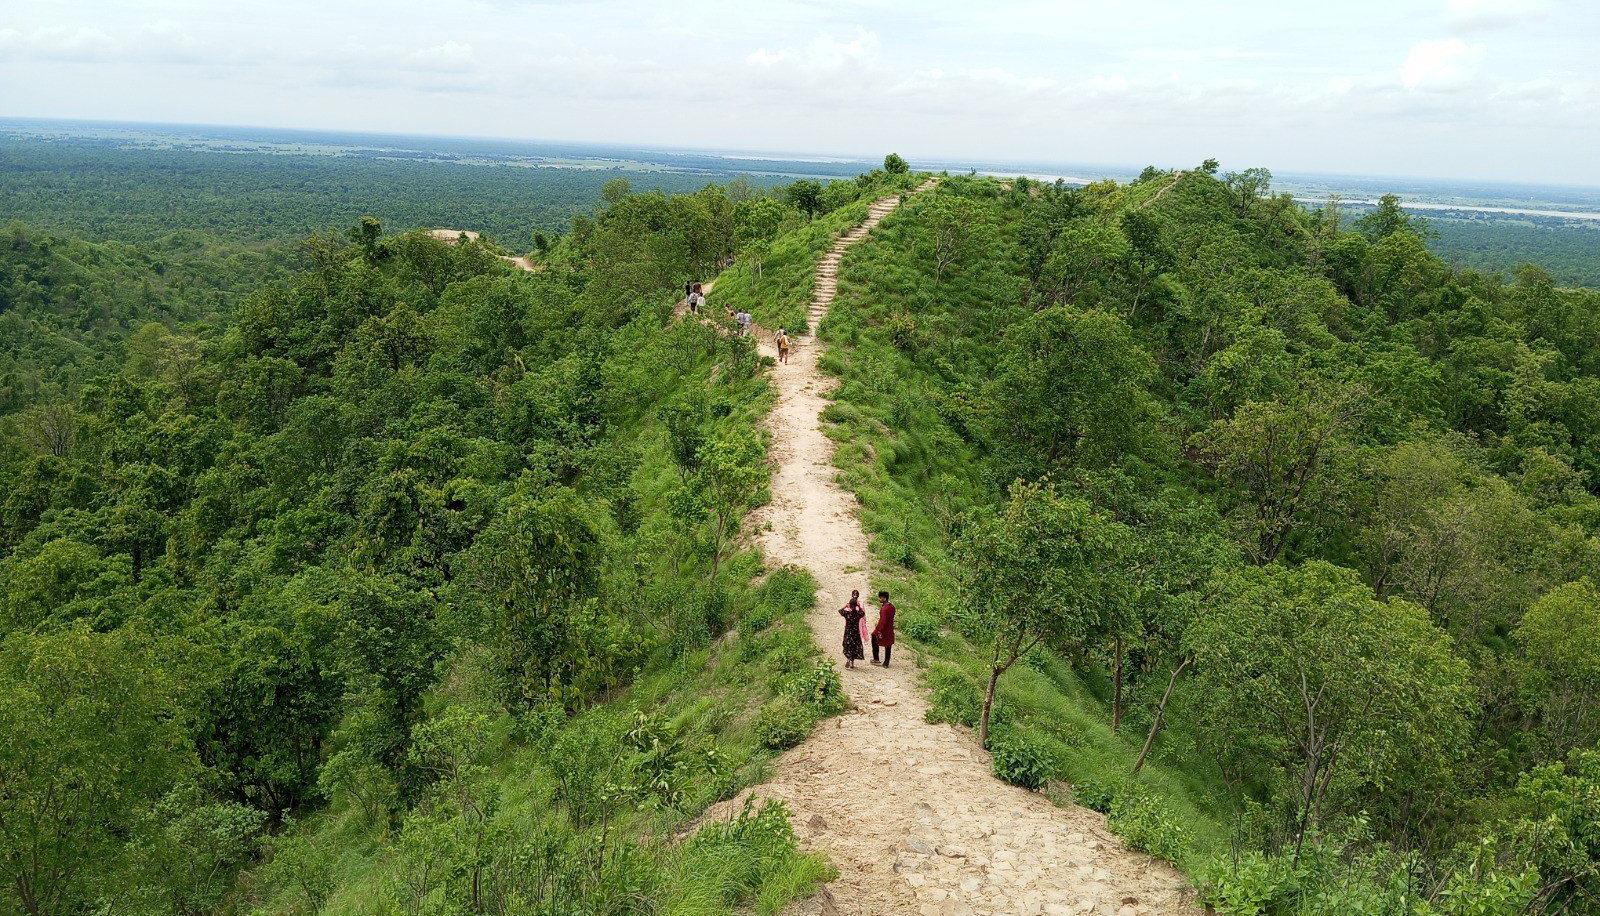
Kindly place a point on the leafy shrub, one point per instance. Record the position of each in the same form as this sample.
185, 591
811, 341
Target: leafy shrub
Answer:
789, 589
755, 620
793, 652
783, 722
902, 328
1144, 821
954, 697
818, 687
1095, 795
1023, 759
920, 627
1246, 886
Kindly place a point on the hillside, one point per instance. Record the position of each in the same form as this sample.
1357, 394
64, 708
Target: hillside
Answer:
1243, 559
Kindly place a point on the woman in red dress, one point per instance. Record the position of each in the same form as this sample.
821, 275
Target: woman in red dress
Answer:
853, 613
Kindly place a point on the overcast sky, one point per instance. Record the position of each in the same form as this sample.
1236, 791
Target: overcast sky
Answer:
1501, 89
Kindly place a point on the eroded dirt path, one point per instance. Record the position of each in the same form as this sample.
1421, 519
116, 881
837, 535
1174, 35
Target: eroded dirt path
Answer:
907, 811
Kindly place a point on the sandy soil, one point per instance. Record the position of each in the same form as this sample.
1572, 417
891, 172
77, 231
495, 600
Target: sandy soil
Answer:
907, 811
452, 236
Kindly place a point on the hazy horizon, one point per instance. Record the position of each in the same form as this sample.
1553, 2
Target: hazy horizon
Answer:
1482, 90
835, 156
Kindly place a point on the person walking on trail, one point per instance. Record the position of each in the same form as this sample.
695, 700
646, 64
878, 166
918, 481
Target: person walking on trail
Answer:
783, 346
853, 614
883, 633
744, 319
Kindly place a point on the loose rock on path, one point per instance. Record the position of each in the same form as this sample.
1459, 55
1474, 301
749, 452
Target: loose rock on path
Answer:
908, 812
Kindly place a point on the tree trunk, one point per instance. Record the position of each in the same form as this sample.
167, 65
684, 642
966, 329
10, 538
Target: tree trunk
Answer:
988, 705
1116, 689
1161, 714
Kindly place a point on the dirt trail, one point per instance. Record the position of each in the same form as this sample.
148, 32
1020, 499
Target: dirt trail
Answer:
452, 236
907, 811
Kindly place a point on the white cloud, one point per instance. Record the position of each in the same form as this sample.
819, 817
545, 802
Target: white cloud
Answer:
450, 57
1473, 15
1440, 63
822, 54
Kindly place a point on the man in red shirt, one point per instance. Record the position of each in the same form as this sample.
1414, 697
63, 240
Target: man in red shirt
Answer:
883, 634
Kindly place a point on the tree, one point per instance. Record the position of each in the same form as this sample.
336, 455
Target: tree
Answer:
532, 567
1274, 454
731, 475
1088, 265
951, 221
1560, 636
1387, 218
93, 738
366, 234
1303, 670
390, 639
1248, 187
1044, 568
1071, 387
805, 196
615, 191
895, 165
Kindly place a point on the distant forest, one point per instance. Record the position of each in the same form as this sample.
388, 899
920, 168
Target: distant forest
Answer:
1570, 255
106, 192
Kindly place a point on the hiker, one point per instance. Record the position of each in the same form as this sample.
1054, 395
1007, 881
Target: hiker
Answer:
783, 346
853, 614
694, 303
883, 633
744, 319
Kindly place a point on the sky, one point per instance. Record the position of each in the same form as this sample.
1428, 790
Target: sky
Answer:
1482, 89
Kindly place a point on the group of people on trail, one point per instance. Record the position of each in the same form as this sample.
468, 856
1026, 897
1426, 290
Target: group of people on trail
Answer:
694, 299
856, 633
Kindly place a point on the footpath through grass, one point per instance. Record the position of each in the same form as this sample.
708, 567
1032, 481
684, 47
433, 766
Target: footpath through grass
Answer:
907, 352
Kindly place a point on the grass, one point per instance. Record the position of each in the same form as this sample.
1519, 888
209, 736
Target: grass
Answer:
778, 294
701, 704
903, 348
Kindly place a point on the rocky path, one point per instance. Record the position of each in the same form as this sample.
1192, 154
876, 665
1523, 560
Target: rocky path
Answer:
907, 811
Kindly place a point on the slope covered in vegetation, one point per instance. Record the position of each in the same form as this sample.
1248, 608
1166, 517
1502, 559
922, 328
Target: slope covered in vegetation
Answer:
414, 590
1293, 498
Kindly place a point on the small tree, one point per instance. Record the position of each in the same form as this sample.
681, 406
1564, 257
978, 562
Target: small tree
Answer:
951, 220
1308, 684
731, 474
805, 196
1043, 568
1561, 637
895, 165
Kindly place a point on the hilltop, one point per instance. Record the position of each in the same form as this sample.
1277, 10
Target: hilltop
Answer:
1244, 558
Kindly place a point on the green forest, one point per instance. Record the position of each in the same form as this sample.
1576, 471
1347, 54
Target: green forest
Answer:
373, 575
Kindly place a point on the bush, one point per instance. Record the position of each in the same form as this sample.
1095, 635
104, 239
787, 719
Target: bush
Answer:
902, 328
789, 589
953, 697
920, 627
818, 687
1095, 795
1144, 821
1246, 887
755, 620
784, 722
1023, 759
